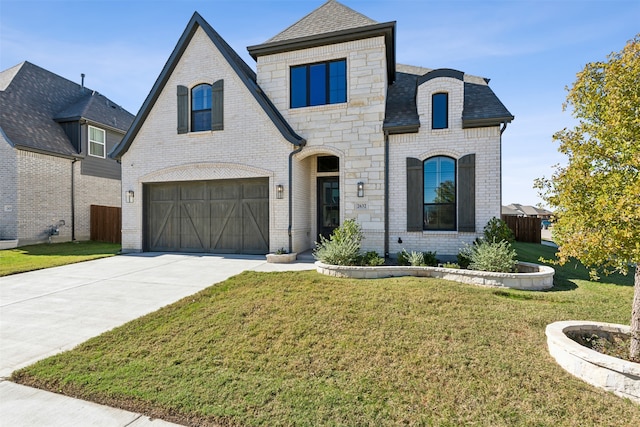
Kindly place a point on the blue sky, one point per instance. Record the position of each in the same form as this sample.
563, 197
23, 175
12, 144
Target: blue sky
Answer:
531, 50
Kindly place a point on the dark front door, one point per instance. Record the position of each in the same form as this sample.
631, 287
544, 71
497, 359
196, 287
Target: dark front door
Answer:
328, 205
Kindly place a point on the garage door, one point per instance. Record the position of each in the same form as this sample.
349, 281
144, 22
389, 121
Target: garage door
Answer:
226, 216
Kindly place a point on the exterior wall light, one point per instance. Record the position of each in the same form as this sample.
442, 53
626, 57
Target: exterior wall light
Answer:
361, 189
279, 191
129, 197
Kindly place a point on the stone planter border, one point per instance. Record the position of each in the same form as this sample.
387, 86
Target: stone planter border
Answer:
8, 244
282, 258
531, 277
609, 373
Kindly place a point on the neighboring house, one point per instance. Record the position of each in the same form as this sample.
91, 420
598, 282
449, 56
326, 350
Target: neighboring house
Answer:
516, 209
54, 139
225, 159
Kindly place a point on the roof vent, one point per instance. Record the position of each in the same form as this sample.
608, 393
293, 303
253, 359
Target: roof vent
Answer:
82, 82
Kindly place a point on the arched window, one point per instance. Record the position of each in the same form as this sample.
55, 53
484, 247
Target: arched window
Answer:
201, 108
439, 193
440, 111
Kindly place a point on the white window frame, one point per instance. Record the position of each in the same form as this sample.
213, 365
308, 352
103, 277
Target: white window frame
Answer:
103, 143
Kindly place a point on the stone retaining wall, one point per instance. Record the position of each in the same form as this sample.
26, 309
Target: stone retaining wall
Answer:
531, 277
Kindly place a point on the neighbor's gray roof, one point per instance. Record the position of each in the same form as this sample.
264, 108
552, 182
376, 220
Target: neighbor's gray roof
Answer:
31, 100
331, 16
481, 105
244, 72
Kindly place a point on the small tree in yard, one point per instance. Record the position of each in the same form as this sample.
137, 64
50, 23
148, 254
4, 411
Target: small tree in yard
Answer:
597, 194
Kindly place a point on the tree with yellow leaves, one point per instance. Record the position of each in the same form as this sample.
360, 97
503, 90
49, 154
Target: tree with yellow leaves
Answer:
596, 196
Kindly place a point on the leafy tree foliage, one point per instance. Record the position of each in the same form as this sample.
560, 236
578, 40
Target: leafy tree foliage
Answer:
597, 194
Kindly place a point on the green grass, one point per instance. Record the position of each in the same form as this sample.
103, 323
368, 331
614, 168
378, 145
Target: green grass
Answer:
36, 257
298, 348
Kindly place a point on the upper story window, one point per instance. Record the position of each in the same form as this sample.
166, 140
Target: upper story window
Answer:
201, 108
439, 193
319, 84
440, 113
97, 141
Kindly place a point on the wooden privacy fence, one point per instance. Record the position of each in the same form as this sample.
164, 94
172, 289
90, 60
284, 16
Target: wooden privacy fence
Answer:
106, 223
526, 229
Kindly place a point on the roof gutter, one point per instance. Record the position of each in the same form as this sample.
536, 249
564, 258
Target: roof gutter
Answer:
291, 154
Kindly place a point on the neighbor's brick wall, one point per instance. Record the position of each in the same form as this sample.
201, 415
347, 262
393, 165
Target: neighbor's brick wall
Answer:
8, 190
352, 130
91, 190
249, 146
44, 197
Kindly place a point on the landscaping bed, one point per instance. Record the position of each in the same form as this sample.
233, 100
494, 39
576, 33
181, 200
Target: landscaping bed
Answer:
304, 349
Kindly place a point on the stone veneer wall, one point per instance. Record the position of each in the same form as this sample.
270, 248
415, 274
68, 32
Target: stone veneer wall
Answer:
351, 130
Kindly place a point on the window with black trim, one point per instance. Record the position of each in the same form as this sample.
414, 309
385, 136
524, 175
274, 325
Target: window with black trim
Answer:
440, 111
318, 84
439, 193
201, 108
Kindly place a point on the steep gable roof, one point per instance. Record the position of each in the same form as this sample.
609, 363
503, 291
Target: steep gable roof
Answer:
329, 24
30, 100
246, 74
331, 16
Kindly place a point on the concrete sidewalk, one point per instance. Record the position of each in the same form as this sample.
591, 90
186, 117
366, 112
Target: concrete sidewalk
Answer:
49, 311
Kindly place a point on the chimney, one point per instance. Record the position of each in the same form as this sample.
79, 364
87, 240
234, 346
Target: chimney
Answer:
82, 76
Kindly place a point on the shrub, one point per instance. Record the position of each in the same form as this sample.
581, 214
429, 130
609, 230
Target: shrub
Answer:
342, 247
403, 257
371, 259
492, 256
429, 259
497, 230
415, 258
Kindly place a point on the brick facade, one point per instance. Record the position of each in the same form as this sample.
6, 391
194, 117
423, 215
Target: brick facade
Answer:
8, 191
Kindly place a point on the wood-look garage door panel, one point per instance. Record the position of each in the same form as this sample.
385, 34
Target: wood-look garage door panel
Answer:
230, 216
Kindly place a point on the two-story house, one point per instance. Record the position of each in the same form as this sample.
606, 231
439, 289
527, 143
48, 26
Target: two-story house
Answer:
329, 127
54, 139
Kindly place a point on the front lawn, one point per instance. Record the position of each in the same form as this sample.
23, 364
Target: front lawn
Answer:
36, 257
298, 348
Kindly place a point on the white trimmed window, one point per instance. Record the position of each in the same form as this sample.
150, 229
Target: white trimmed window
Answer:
97, 139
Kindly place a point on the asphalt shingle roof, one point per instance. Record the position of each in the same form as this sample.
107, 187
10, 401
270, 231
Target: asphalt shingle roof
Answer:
330, 17
481, 105
31, 100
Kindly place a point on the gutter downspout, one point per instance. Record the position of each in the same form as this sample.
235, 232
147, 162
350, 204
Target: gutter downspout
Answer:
504, 127
73, 201
386, 194
291, 154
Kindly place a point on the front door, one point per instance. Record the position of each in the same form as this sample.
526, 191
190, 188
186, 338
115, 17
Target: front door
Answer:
328, 205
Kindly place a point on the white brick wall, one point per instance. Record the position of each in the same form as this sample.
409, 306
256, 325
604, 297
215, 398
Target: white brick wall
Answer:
8, 190
249, 146
454, 142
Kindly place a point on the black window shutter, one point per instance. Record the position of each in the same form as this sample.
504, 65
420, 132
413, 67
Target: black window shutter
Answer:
467, 193
183, 109
415, 194
217, 105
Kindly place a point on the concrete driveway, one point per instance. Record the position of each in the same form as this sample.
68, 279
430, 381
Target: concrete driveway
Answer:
48, 311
